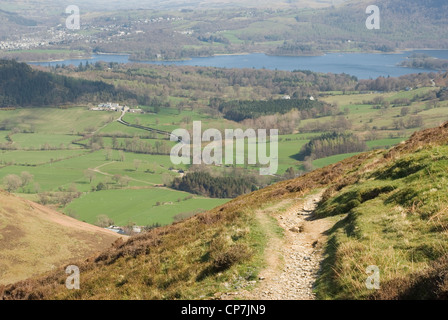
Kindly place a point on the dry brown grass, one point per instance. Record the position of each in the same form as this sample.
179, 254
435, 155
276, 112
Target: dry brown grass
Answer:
35, 239
425, 138
429, 284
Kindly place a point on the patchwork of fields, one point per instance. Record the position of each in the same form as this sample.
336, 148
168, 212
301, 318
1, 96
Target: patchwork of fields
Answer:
56, 147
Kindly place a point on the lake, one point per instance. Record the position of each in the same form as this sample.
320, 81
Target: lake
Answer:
361, 65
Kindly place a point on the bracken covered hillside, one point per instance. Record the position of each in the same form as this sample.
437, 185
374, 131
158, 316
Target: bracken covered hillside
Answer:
35, 239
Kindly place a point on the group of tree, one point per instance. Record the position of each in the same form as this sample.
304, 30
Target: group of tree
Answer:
103, 221
338, 124
203, 183
442, 94
134, 144
20, 85
12, 182
422, 61
192, 85
414, 121
286, 123
386, 84
295, 48
213, 38
329, 144
241, 110
138, 145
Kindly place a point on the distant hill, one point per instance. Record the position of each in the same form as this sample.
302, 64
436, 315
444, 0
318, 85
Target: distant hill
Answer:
431, 12
15, 18
388, 209
17, 22
108, 5
35, 239
403, 25
22, 86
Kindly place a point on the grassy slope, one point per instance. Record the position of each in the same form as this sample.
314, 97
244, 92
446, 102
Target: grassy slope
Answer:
34, 239
63, 121
390, 208
394, 216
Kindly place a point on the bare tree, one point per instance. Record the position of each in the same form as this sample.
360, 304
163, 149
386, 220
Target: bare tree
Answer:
124, 181
44, 198
12, 182
65, 198
108, 154
89, 174
137, 164
103, 221
26, 177
167, 179
122, 156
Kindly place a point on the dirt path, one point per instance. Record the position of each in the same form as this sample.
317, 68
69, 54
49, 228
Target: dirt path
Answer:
97, 170
293, 262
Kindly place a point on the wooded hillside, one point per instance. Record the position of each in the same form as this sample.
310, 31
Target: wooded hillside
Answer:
20, 85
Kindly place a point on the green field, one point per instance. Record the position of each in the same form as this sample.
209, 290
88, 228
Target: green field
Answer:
365, 118
54, 120
34, 132
138, 206
384, 143
52, 175
169, 119
32, 158
287, 150
39, 140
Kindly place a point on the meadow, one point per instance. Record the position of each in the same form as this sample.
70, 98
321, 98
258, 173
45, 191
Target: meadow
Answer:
54, 146
139, 206
43, 142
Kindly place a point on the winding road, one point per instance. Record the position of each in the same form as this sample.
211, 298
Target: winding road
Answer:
120, 120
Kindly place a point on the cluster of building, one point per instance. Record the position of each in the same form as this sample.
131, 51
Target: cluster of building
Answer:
120, 230
287, 97
109, 106
160, 19
52, 36
22, 44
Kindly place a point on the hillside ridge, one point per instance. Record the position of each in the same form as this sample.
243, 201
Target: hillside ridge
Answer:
36, 239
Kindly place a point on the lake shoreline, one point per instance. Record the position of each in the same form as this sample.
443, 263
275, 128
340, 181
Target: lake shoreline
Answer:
360, 65
91, 57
